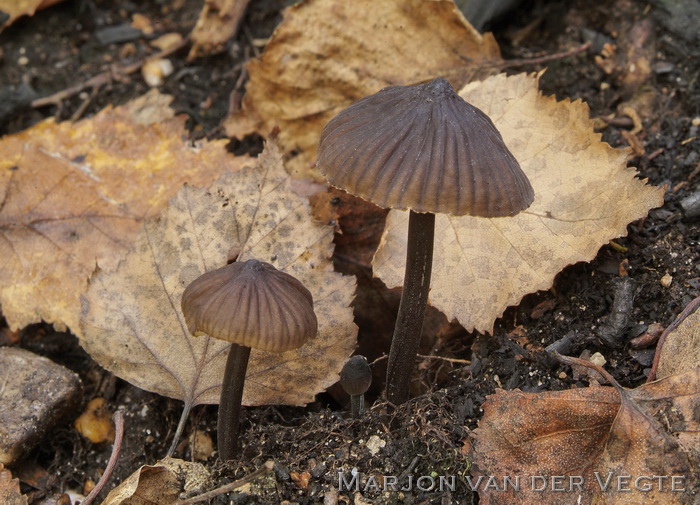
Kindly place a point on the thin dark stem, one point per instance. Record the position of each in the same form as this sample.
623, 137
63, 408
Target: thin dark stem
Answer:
357, 405
113, 459
409, 322
230, 404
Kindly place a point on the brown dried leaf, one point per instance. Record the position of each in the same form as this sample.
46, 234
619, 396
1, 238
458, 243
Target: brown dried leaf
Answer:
681, 349
582, 439
584, 196
328, 53
132, 323
159, 484
217, 23
17, 8
73, 195
9, 489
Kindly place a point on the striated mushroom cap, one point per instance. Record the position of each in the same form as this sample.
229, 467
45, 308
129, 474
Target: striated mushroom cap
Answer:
253, 304
423, 148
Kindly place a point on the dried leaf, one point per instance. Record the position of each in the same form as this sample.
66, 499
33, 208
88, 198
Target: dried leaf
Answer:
132, 320
590, 444
9, 489
73, 195
13, 9
328, 53
217, 23
584, 196
159, 484
681, 349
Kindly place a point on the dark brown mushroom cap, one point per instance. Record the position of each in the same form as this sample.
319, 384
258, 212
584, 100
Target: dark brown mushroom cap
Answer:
424, 148
356, 376
252, 304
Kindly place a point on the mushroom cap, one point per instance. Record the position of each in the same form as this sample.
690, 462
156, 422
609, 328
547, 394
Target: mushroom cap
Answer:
356, 376
252, 304
423, 148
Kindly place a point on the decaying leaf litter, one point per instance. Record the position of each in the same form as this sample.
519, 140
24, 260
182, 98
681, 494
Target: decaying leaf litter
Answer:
568, 301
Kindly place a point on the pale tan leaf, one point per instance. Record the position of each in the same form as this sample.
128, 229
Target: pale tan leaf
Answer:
217, 23
132, 323
681, 349
73, 196
9, 489
160, 483
14, 9
598, 445
328, 53
584, 196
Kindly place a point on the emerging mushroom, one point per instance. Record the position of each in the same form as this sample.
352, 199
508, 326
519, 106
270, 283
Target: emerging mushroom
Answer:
425, 149
250, 304
356, 378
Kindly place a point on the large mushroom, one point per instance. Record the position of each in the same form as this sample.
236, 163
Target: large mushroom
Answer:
252, 305
426, 149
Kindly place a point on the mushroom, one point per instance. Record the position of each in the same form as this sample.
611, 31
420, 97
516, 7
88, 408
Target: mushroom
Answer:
356, 378
425, 149
252, 305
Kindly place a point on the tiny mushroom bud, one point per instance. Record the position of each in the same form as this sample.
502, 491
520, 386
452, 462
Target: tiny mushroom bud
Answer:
250, 304
425, 149
356, 378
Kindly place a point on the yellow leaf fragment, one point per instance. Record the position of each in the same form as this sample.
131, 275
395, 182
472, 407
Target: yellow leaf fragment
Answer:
328, 53
132, 322
584, 196
18, 8
73, 196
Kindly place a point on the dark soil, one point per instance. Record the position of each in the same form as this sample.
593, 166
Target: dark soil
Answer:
429, 435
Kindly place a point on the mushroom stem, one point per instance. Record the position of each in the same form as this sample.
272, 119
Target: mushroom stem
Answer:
230, 405
414, 299
357, 406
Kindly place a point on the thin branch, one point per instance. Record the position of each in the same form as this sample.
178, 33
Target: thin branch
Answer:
443, 358
104, 78
266, 468
112, 463
544, 59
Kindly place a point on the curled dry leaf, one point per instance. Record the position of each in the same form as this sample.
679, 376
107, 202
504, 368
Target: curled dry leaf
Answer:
9, 489
681, 348
328, 53
584, 196
13, 9
217, 23
74, 195
132, 323
595, 445
161, 483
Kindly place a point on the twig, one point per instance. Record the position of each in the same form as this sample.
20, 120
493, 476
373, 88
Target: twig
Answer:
571, 361
690, 308
443, 358
267, 467
101, 79
112, 463
545, 59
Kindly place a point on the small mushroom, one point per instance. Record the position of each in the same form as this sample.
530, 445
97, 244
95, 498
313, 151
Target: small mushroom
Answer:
252, 305
356, 378
425, 149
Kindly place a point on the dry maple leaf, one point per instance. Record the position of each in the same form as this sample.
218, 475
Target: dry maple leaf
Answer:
328, 53
600, 445
132, 322
73, 195
585, 195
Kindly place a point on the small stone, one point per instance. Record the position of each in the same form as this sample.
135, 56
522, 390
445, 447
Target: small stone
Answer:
666, 280
597, 359
36, 395
374, 444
